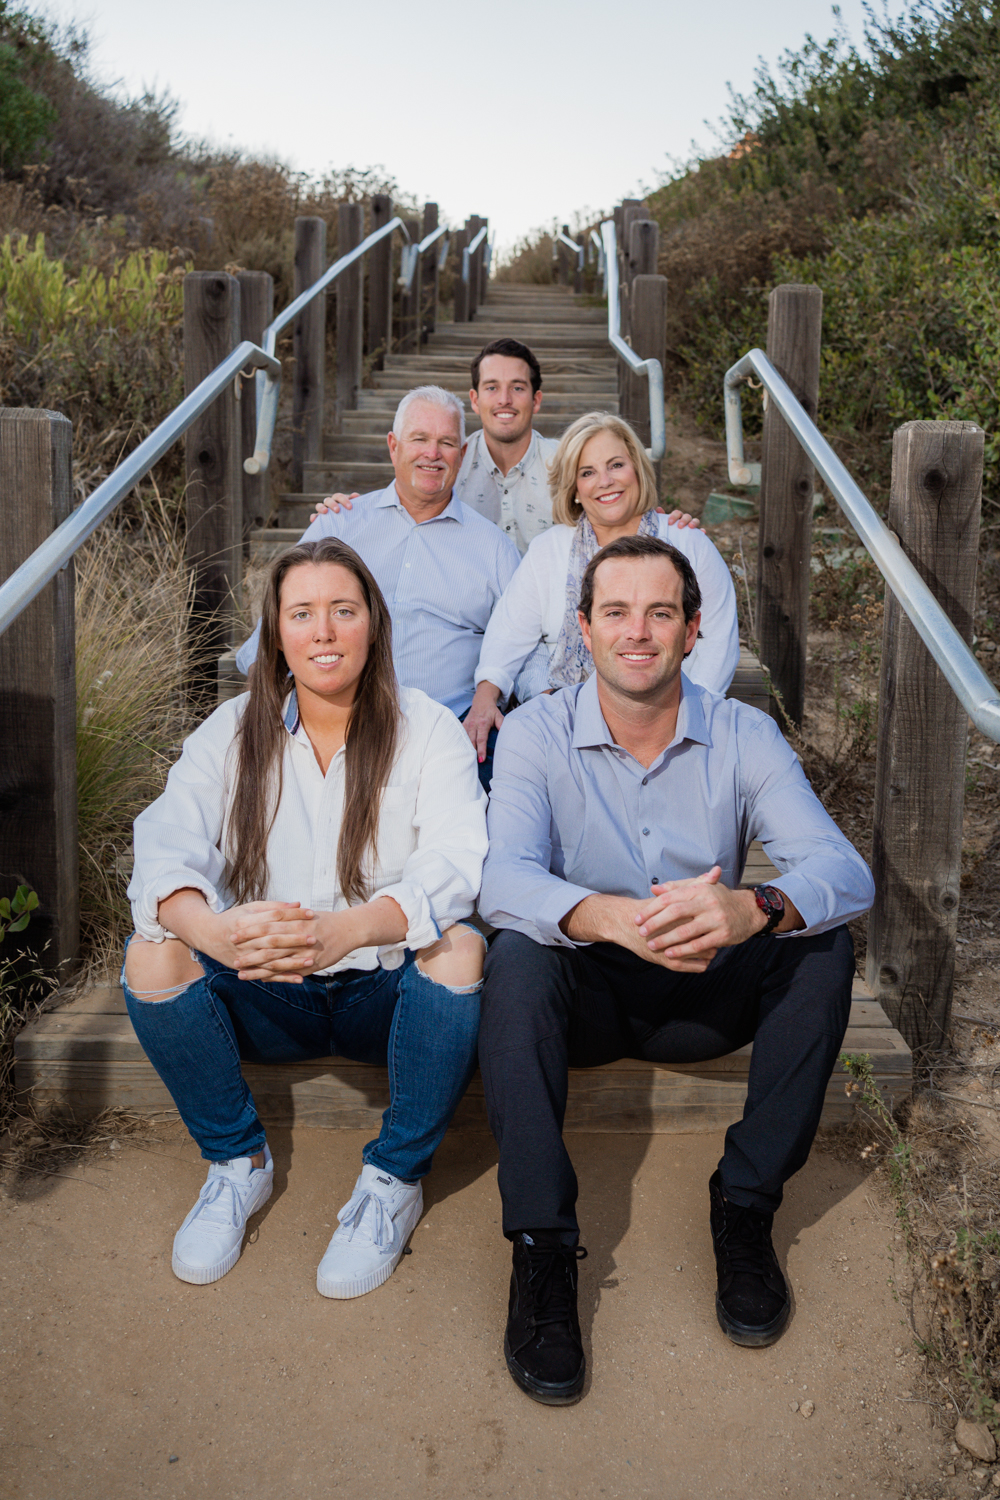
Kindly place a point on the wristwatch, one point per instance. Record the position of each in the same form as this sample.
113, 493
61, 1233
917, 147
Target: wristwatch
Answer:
771, 903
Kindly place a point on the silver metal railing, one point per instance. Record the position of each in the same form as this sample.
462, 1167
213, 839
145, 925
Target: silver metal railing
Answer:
602, 261
961, 670
572, 245
55, 552
30, 578
650, 368
412, 253
470, 251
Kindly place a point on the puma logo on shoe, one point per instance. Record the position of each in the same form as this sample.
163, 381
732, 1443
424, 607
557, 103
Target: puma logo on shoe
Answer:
386, 1180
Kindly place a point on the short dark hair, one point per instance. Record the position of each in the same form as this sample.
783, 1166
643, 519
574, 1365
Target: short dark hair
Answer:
510, 349
643, 546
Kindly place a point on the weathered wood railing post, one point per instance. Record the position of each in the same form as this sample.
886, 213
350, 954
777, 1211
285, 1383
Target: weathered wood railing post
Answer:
632, 212
473, 226
431, 274
794, 333
409, 301
350, 286
564, 270
380, 284
213, 454
308, 347
38, 832
934, 509
256, 311
459, 242
481, 276
647, 328
649, 340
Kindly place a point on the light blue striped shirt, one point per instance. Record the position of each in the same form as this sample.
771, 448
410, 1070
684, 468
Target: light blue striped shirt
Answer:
572, 814
440, 579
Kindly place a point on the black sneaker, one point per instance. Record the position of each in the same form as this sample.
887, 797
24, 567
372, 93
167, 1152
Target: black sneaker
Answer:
542, 1343
752, 1302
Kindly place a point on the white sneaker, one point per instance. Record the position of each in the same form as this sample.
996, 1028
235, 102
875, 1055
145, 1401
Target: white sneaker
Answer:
374, 1227
208, 1243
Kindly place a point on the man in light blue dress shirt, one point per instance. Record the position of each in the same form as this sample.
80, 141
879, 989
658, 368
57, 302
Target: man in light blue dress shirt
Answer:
441, 566
620, 816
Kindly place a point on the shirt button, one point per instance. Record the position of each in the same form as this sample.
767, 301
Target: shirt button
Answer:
644, 780
645, 830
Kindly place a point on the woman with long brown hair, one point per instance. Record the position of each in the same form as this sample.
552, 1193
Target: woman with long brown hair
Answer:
298, 892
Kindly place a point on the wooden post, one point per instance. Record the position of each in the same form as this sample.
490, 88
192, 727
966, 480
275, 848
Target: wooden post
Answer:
256, 311
409, 300
459, 242
213, 449
631, 216
309, 347
481, 277
644, 248
649, 340
564, 269
473, 226
794, 328
38, 832
632, 210
350, 286
431, 274
934, 509
380, 285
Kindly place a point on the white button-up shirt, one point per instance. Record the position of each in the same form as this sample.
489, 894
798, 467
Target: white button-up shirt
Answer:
431, 835
519, 502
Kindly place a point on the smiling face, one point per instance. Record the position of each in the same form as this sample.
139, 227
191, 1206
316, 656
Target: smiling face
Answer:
324, 628
428, 454
637, 634
505, 400
607, 485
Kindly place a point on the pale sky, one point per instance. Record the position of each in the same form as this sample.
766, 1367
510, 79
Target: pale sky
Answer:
523, 112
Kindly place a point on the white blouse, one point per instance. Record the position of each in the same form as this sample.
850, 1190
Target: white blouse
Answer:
532, 607
431, 839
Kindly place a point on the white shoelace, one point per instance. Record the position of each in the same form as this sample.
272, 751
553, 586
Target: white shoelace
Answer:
355, 1216
220, 1217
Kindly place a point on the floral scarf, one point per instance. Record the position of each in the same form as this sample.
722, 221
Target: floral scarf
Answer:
571, 662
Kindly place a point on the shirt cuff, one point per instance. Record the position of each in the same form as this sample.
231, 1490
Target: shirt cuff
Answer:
421, 928
146, 905
501, 679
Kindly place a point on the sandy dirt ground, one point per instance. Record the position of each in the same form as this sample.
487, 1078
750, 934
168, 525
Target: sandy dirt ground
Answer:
119, 1380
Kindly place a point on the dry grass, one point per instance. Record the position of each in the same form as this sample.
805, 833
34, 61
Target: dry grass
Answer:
132, 637
37, 1147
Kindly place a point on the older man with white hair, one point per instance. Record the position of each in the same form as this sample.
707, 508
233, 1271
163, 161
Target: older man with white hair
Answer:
441, 566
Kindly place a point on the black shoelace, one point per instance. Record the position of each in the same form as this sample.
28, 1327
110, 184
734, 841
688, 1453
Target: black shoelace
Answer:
552, 1282
745, 1242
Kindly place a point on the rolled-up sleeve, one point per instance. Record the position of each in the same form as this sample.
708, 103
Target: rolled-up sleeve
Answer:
440, 879
519, 889
177, 838
819, 869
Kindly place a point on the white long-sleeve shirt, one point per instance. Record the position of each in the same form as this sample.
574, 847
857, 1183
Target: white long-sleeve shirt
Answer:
431, 838
532, 607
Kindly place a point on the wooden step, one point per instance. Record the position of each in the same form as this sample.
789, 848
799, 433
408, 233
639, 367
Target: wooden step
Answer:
402, 381
86, 1058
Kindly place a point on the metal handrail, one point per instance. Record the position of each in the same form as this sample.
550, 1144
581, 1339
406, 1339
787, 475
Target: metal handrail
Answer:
268, 388
969, 682
602, 261
573, 246
412, 253
30, 578
651, 368
470, 251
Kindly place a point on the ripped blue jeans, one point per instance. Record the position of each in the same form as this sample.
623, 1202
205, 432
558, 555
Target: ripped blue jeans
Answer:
426, 1031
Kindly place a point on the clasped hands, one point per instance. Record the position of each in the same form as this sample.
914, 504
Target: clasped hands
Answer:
682, 926
279, 942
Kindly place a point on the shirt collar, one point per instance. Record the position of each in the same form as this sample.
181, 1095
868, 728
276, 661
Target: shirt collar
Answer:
591, 731
522, 462
290, 713
389, 498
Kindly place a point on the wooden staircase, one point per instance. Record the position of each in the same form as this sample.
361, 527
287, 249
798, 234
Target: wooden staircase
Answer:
85, 1057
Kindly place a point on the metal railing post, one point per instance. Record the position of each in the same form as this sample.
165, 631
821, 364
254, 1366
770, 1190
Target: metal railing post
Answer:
256, 311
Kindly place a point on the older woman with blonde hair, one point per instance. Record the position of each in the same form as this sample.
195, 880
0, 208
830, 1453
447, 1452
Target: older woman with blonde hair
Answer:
603, 487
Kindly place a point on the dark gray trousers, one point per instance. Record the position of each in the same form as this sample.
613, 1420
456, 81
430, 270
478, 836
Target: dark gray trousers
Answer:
545, 1010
